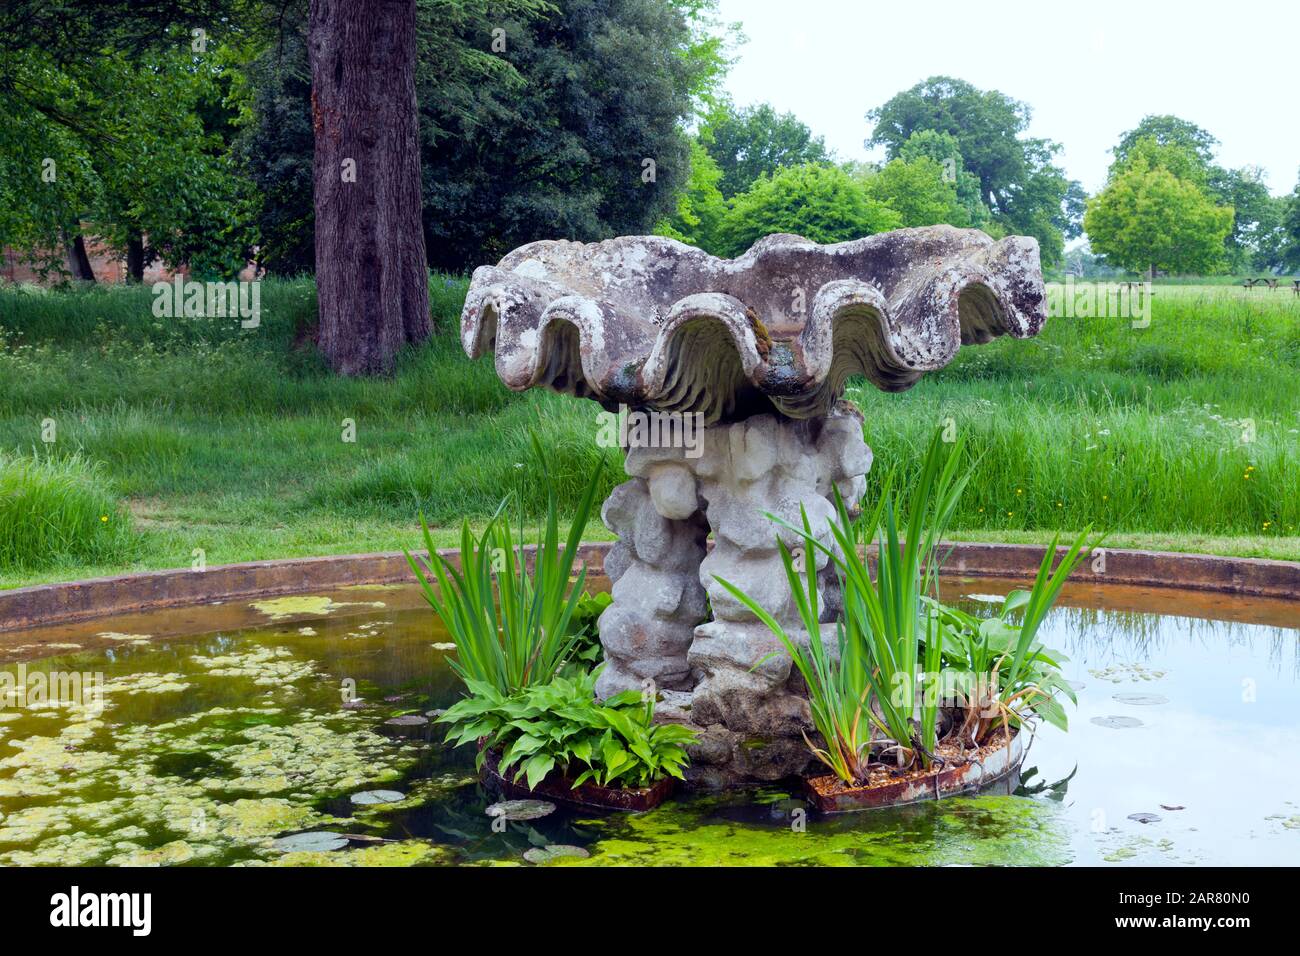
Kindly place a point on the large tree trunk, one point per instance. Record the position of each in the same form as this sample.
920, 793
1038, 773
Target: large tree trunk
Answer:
370, 268
135, 257
78, 259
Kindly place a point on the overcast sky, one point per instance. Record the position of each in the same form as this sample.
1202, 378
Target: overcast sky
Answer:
1089, 71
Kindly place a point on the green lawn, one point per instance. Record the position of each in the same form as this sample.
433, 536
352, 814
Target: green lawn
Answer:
231, 440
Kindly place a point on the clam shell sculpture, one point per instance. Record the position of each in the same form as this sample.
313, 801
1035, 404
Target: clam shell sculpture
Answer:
652, 323
757, 350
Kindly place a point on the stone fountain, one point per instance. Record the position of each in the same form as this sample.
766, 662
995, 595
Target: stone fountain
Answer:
742, 363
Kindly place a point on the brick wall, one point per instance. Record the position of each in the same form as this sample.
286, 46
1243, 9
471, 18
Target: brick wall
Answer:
107, 265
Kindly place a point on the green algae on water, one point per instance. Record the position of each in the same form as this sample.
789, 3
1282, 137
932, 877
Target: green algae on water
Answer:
987, 830
279, 609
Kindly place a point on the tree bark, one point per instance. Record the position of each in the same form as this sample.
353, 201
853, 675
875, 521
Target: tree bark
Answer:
78, 259
371, 281
135, 257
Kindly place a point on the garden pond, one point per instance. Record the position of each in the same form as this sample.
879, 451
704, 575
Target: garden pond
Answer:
218, 729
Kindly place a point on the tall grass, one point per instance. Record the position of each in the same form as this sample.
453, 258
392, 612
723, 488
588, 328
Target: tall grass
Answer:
54, 510
208, 425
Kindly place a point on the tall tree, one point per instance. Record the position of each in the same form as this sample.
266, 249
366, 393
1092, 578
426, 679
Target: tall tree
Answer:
86, 142
1146, 218
1254, 242
1019, 181
755, 141
275, 151
1291, 229
560, 121
1187, 151
371, 281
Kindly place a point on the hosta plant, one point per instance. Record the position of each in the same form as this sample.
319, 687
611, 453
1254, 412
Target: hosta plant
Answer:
587, 652
560, 725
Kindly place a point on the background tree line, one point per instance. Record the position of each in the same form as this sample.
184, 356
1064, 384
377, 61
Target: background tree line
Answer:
182, 131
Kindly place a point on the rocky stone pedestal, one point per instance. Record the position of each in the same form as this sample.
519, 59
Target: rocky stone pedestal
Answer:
658, 633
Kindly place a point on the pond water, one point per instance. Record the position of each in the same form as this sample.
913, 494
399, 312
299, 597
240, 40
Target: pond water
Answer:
202, 750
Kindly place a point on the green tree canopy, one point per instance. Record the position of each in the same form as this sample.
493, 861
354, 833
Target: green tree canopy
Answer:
1290, 226
700, 207
1148, 218
755, 141
588, 143
547, 135
1256, 240
1178, 158
1019, 180
919, 192
944, 149
818, 201
1168, 130
1187, 151
88, 142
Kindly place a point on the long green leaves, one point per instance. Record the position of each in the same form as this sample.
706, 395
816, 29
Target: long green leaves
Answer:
837, 683
884, 623
887, 617
901, 652
511, 627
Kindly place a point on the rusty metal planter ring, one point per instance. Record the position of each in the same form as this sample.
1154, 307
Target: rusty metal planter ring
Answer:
992, 768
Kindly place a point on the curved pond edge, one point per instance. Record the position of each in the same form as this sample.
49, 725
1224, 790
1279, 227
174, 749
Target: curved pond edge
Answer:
52, 604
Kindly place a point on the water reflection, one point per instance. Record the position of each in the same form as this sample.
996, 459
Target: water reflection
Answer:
246, 729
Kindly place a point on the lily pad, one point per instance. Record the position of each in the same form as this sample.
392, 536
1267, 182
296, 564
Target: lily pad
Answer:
368, 798
1141, 700
315, 841
521, 809
1117, 723
407, 720
545, 854
1145, 817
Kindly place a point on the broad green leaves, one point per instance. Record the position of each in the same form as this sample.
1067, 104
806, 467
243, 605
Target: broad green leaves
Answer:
561, 725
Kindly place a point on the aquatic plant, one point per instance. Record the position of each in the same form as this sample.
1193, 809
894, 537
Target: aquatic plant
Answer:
885, 624
512, 628
838, 684
900, 650
1001, 670
587, 651
561, 725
